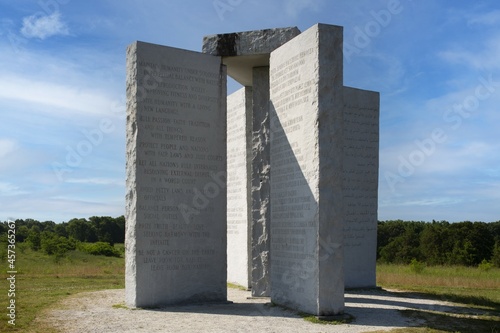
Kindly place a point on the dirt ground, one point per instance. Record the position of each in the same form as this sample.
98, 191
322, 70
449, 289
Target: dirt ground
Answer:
104, 312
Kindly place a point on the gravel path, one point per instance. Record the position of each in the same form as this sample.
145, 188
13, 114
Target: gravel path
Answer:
94, 312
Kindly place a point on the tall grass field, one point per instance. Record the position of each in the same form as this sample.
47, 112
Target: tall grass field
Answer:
455, 283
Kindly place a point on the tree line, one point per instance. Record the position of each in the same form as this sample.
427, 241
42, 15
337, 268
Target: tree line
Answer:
58, 238
399, 242
439, 243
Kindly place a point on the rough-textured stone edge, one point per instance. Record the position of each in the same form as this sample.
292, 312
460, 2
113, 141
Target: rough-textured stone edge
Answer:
261, 186
131, 191
248, 42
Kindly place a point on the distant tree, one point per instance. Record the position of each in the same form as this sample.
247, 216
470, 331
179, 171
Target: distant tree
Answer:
48, 225
119, 237
21, 233
61, 229
81, 230
495, 257
405, 247
494, 230
435, 243
31, 222
472, 243
387, 231
34, 238
108, 229
3, 228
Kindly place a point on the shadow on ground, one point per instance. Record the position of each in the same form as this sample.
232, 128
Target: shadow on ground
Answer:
375, 308
427, 310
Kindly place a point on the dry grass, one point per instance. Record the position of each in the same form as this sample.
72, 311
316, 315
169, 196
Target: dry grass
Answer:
467, 285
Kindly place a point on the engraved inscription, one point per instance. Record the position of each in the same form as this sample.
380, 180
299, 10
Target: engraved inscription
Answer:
360, 174
175, 123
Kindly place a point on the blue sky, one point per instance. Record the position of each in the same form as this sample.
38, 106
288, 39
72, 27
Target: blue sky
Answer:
435, 63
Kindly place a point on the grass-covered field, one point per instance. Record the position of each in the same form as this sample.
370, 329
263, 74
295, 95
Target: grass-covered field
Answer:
467, 285
457, 283
42, 280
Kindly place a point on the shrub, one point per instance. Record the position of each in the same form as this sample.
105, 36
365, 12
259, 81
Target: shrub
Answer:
495, 258
52, 244
416, 266
485, 265
99, 249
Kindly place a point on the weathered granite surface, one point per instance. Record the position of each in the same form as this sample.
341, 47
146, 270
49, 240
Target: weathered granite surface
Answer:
239, 133
360, 186
248, 42
242, 51
307, 205
176, 163
261, 186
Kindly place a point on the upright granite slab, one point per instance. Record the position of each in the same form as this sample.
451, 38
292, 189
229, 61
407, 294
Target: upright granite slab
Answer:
246, 55
176, 163
307, 202
360, 186
261, 184
239, 133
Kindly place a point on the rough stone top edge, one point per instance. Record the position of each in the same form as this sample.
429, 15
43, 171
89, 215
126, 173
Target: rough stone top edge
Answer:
252, 32
364, 90
328, 25
248, 42
135, 45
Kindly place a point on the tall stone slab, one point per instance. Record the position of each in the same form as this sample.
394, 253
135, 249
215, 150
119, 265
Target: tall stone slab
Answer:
246, 55
261, 184
307, 207
176, 163
360, 184
239, 132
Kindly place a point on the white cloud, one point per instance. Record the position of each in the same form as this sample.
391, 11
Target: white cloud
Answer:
97, 181
6, 146
483, 57
61, 98
8, 189
36, 26
490, 18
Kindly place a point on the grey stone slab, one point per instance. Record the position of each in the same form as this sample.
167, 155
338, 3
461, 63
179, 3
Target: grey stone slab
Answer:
361, 154
307, 205
239, 132
242, 51
261, 186
176, 165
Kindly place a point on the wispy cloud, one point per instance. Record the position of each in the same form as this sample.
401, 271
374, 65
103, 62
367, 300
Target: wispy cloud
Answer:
6, 146
8, 189
490, 18
60, 98
483, 57
45, 26
97, 181
294, 7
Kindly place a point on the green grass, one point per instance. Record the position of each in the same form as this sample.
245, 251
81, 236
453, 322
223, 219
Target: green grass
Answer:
41, 281
342, 319
236, 286
468, 285
479, 289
